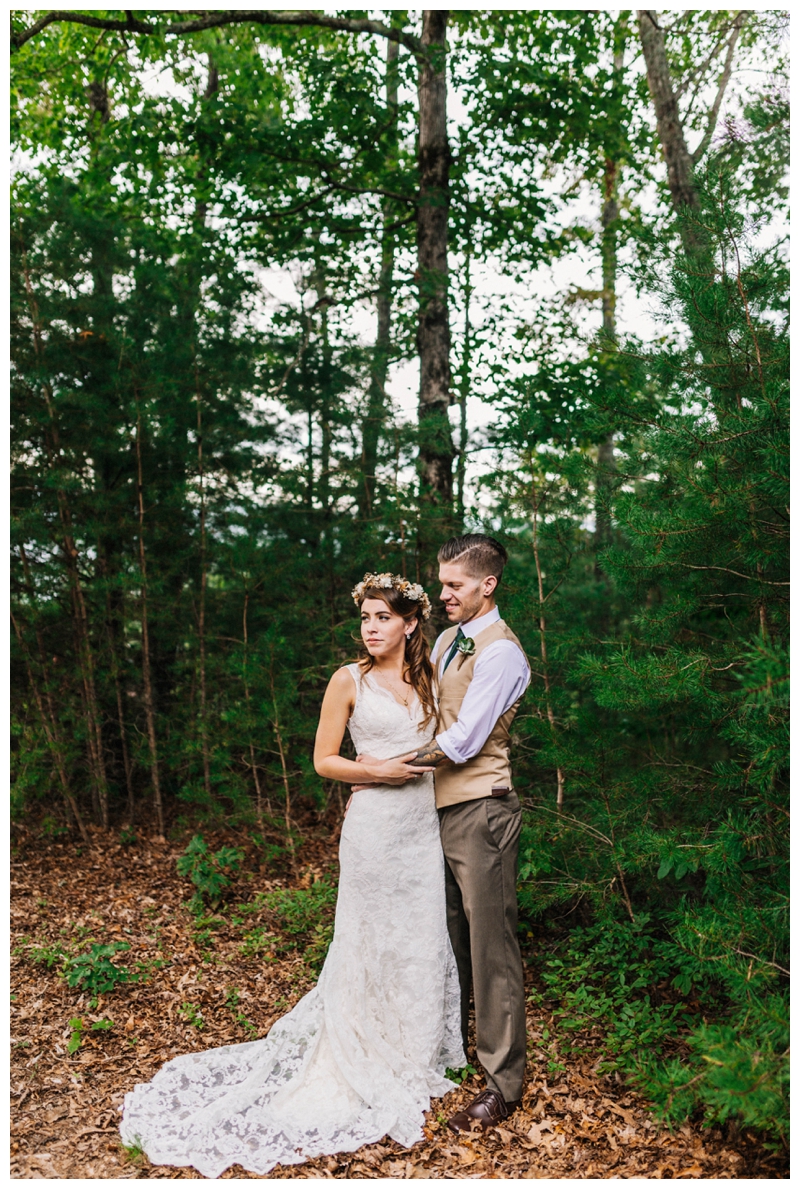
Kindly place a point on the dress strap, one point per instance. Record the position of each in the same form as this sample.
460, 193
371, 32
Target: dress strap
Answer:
355, 672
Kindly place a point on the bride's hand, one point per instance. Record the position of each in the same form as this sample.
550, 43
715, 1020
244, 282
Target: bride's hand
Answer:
396, 770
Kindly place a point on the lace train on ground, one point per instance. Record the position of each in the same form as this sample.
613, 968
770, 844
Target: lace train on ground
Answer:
362, 1054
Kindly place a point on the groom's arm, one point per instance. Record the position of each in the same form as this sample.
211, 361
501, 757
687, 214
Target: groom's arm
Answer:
500, 677
430, 755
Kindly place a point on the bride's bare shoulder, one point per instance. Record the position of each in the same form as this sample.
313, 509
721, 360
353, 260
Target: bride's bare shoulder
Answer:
343, 682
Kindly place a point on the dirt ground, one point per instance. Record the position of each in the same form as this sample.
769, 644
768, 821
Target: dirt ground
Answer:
204, 991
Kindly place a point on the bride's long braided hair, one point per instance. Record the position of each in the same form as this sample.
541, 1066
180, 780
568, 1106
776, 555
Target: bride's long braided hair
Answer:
418, 667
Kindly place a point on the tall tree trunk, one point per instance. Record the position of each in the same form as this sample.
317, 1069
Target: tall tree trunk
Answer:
376, 401
246, 681
680, 167
123, 735
200, 214
146, 670
679, 161
605, 451
378, 372
287, 803
436, 450
201, 617
463, 393
609, 222
536, 500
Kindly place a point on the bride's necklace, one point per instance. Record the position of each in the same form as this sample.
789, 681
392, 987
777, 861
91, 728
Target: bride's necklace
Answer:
391, 688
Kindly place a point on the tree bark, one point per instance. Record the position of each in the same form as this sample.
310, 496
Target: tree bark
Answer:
253, 764
376, 401
201, 618
551, 718
668, 121
463, 392
679, 161
436, 450
146, 673
123, 735
605, 451
609, 222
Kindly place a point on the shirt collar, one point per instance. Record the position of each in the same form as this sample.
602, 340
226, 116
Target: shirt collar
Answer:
475, 626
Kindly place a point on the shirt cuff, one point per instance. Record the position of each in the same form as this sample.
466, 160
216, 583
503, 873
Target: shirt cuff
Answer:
448, 749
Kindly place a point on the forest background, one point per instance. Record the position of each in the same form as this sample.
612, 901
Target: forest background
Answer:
232, 235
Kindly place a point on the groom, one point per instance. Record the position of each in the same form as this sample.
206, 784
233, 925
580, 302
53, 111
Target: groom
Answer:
482, 674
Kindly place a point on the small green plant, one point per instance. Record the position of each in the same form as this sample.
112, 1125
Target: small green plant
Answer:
210, 873
133, 1152
305, 918
94, 971
77, 1026
232, 1002
256, 942
49, 955
52, 828
317, 948
271, 854
146, 966
127, 836
192, 1014
459, 1076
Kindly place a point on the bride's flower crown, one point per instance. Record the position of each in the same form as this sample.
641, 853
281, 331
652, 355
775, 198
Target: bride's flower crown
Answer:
410, 590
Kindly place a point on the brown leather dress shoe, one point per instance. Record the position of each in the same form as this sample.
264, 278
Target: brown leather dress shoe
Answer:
486, 1110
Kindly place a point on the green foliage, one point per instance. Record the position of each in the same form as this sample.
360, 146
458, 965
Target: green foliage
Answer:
134, 1152
459, 1076
617, 977
305, 918
737, 1071
232, 1002
192, 1015
210, 873
77, 1028
641, 487
49, 955
95, 972
668, 675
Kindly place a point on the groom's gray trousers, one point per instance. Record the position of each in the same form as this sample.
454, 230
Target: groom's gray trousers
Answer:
480, 840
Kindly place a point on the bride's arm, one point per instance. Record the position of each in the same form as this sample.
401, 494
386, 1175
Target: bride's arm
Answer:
337, 706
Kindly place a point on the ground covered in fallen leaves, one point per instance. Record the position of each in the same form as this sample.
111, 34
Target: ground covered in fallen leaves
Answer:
226, 980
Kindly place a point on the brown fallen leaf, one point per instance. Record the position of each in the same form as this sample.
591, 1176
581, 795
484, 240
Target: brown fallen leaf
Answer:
620, 1110
535, 1132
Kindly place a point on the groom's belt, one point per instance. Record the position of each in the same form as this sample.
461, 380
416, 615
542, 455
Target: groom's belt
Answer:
500, 791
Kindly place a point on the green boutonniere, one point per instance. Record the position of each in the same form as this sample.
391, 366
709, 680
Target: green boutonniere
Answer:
466, 646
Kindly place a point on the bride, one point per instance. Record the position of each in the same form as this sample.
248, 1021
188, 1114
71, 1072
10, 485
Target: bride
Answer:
361, 1055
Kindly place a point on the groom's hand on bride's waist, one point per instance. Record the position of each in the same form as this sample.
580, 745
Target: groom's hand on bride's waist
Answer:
395, 771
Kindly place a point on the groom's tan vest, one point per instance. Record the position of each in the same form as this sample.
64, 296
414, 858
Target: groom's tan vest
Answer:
490, 768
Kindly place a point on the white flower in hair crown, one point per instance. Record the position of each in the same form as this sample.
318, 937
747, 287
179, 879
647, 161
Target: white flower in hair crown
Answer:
412, 590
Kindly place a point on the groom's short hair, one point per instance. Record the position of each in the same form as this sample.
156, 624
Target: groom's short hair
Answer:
479, 555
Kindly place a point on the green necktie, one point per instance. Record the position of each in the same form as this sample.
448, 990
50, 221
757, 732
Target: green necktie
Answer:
454, 649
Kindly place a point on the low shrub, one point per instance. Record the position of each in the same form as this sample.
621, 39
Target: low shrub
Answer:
210, 873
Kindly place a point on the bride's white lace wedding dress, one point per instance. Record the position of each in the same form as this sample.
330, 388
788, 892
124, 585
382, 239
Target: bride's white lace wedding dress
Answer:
361, 1055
